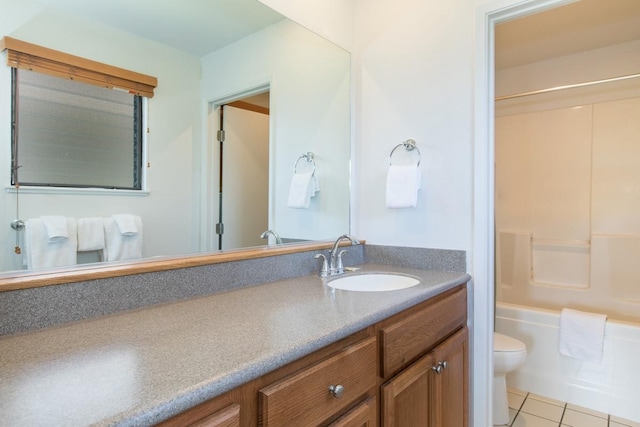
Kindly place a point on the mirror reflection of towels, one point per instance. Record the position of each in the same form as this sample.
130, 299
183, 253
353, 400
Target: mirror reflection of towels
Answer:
403, 183
57, 227
42, 252
303, 187
90, 234
119, 246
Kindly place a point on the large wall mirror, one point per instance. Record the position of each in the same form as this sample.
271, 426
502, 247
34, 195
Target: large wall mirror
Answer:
206, 57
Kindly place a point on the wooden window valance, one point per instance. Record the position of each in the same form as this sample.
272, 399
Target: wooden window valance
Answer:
29, 56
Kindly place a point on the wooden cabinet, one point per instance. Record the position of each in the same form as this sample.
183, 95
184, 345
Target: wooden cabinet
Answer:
426, 348
322, 390
432, 391
227, 417
411, 369
364, 414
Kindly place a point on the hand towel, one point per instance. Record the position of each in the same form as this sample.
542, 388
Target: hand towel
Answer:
40, 252
90, 234
119, 246
126, 224
300, 190
403, 183
582, 334
315, 185
56, 227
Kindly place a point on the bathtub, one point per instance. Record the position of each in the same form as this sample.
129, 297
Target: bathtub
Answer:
612, 386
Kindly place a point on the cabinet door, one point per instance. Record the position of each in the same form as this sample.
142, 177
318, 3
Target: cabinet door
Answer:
450, 380
363, 415
433, 391
406, 397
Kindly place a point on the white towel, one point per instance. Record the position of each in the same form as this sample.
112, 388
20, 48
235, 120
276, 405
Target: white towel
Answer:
90, 234
315, 185
303, 187
119, 246
403, 183
40, 252
56, 227
126, 223
582, 334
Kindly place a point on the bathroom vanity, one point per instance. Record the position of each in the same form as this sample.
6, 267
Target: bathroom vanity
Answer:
293, 351
409, 369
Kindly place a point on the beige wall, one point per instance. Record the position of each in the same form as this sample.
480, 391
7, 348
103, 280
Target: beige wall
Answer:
567, 208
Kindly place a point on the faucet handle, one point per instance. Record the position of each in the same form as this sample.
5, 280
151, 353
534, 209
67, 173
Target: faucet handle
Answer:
339, 266
324, 270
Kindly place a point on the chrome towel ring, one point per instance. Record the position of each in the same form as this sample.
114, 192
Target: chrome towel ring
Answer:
309, 157
409, 145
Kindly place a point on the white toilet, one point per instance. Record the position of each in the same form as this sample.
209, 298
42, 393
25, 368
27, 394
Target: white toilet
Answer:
508, 355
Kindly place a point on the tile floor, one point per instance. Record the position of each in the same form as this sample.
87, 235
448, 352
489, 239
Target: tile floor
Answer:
530, 410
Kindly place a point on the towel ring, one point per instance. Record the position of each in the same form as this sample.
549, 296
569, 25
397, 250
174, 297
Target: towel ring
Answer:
409, 145
308, 156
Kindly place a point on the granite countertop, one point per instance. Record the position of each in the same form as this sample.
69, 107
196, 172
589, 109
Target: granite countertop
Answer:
142, 366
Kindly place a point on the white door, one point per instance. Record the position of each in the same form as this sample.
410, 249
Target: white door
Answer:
245, 177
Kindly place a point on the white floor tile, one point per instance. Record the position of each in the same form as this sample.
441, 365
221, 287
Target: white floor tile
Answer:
575, 418
528, 420
512, 415
515, 400
543, 409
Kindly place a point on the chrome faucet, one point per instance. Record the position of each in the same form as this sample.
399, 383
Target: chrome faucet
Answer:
265, 235
335, 263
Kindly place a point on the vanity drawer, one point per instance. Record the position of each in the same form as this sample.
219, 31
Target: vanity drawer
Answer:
305, 399
405, 339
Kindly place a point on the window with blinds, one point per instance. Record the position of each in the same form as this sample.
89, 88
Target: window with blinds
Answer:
75, 122
70, 134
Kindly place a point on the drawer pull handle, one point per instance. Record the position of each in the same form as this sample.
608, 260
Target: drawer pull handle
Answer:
439, 367
336, 390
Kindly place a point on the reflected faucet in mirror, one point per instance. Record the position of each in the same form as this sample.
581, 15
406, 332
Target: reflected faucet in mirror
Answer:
275, 235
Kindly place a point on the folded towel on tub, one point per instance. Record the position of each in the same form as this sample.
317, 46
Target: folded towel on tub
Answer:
582, 334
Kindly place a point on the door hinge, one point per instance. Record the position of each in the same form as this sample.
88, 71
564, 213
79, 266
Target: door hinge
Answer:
221, 135
219, 228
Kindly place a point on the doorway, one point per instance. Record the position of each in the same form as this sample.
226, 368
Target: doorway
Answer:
487, 17
243, 178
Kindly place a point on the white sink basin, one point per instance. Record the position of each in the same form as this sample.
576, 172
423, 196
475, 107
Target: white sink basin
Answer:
373, 282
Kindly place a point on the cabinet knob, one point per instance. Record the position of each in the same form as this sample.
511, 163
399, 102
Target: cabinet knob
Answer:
439, 367
336, 390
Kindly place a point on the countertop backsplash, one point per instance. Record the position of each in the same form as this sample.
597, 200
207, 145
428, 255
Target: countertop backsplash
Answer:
29, 309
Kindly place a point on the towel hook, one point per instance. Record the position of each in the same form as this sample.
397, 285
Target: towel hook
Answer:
309, 157
409, 145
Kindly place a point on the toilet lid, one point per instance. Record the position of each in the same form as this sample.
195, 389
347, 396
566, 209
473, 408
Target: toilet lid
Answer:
503, 342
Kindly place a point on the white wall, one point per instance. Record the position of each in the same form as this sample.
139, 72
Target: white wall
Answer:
413, 61
310, 111
174, 121
332, 19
